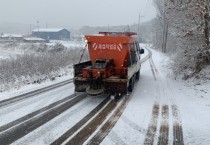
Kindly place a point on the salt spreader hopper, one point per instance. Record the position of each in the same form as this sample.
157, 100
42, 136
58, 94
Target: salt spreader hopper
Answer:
114, 64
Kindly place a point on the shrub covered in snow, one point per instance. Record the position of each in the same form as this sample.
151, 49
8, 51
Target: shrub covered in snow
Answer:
57, 47
36, 67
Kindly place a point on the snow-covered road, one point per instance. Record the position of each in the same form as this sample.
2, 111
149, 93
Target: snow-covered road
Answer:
24, 107
56, 127
159, 107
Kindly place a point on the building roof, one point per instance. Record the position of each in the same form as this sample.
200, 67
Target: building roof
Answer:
11, 35
48, 30
34, 39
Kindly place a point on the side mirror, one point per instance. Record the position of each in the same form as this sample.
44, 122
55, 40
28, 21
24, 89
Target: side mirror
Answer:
141, 51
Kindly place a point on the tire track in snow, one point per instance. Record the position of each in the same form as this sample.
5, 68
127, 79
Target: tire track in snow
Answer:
82, 135
153, 125
33, 114
164, 128
151, 131
168, 92
152, 68
17, 132
177, 127
78, 125
153, 64
106, 128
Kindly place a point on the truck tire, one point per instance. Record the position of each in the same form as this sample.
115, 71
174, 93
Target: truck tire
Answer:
137, 75
131, 84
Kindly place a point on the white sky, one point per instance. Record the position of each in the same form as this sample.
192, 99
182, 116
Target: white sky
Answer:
75, 13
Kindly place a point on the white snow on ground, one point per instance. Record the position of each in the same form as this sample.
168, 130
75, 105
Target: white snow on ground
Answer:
192, 99
7, 54
68, 44
3, 57
7, 51
31, 87
193, 103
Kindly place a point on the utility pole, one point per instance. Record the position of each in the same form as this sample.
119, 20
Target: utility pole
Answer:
206, 18
30, 30
38, 27
165, 28
139, 23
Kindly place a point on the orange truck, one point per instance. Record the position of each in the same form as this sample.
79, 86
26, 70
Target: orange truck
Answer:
114, 64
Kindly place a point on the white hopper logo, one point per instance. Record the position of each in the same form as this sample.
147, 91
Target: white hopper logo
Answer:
107, 46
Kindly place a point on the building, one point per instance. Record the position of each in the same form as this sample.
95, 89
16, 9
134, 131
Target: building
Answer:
11, 37
34, 40
52, 33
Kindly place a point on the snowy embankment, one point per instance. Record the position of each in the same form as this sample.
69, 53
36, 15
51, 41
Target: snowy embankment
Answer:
32, 87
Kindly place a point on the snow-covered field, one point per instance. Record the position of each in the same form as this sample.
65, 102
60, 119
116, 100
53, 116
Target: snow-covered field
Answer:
30, 64
8, 53
69, 44
8, 50
156, 86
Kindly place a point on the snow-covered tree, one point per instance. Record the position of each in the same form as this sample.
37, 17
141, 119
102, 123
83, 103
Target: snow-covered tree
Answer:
188, 24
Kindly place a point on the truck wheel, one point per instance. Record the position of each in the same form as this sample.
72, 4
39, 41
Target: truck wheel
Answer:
137, 75
131, 84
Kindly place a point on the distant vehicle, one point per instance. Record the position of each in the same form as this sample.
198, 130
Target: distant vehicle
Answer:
114, 65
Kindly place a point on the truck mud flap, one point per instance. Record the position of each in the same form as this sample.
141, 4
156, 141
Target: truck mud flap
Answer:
116, 87
80, 86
